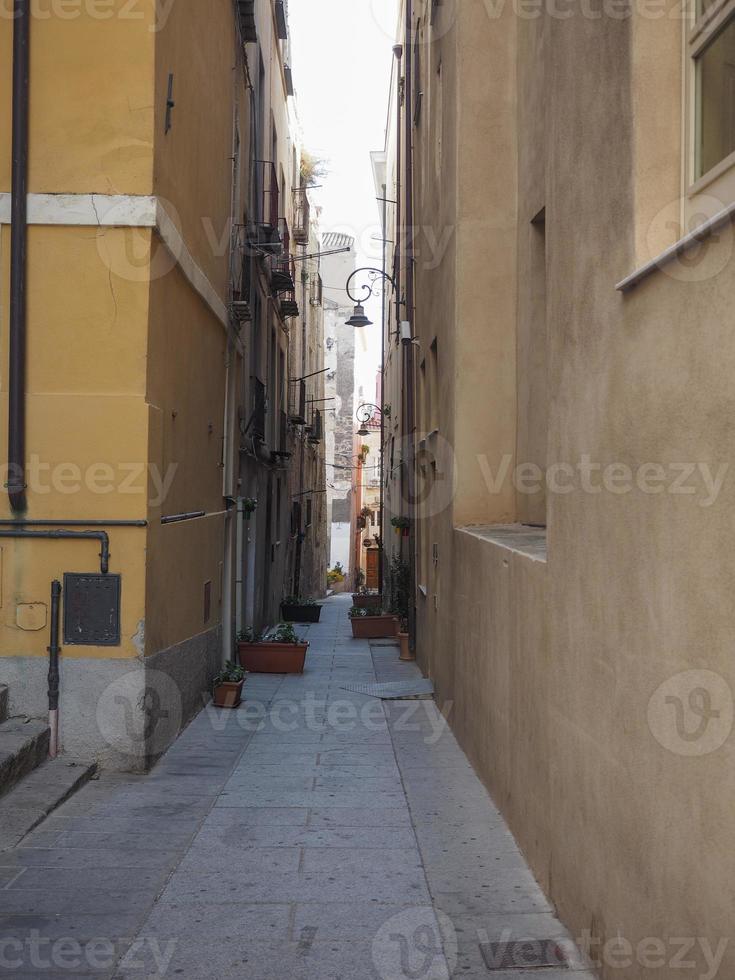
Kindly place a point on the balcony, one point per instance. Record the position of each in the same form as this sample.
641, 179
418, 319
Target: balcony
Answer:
281, 21
283, 271
316, 433
289, 305
297, 403
263, 231
283, 453
246, 14
257, 425
302, 216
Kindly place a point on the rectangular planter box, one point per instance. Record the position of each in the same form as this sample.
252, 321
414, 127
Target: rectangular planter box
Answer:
367, 601
228, 695
301, 614
273, 658
374, 627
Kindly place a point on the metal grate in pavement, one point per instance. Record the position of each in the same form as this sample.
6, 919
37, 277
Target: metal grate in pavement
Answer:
524, 954
394, 690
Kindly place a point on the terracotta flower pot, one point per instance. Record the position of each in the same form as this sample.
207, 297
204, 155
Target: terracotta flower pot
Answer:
374, 627
405, 651
228, 694
273, 658
298, 613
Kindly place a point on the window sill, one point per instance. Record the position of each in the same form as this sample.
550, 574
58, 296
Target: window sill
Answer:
678, 248
518, 538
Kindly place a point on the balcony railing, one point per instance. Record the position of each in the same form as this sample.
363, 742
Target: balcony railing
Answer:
302, 216
259, 410
297, 403
315, 435
282, 266
246, 13
263, 228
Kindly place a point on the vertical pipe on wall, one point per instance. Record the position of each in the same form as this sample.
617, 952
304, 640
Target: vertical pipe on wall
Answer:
408, 353
16, 484
239, 559
53, 670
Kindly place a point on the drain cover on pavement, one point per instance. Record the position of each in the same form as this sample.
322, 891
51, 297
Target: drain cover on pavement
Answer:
394, 691
524, 954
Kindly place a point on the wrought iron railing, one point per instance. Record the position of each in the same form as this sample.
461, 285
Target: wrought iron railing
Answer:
301, 216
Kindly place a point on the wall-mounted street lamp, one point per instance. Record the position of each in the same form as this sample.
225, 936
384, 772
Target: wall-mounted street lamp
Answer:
365, 414
358, 318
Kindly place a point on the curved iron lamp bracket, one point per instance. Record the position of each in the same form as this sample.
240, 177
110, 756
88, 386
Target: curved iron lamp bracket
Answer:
368, 288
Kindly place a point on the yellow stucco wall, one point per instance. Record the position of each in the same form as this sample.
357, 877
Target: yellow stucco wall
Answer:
87, 421
185, 392
193, 161
91, 126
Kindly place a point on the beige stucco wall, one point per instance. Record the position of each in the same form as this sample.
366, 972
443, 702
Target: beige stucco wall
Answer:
547, 666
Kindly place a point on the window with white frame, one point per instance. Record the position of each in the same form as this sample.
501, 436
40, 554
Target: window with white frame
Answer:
712, 50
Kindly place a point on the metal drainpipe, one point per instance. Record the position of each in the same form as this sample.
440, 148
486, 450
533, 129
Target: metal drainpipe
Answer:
101, 536
381, 552
410, 315
16, 484
53, 671
299, 541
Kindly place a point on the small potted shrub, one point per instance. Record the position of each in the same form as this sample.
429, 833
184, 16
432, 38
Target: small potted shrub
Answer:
403, 639
280, 652
296, 609
401, 525
367, 600
227, 689
367, 624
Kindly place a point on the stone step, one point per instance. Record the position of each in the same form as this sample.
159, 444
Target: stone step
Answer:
3, 702
23, 746
31, 801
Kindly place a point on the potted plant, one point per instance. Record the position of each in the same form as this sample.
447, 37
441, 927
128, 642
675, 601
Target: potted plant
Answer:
367, 600
280, 652
403, 639
227, 686
368, 624
249, 506
296, 609
401, 525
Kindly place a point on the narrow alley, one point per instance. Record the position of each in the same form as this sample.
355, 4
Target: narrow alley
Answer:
314, 832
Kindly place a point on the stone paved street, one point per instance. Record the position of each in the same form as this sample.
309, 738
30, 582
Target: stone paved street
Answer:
335, 841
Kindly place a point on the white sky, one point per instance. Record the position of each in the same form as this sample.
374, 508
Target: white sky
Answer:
341, 58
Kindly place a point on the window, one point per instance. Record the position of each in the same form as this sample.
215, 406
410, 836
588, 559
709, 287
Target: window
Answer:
712, 48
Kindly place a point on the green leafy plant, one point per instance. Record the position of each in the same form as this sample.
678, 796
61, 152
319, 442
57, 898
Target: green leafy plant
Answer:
284, 633
356, 612
249, 505
230, 674
400, 587
313, 168
400, 522
336, 575
249, 635
295, 600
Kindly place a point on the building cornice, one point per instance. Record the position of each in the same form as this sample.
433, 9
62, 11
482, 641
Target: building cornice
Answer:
122, 211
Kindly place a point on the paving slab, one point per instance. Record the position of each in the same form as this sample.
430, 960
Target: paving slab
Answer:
313, 833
